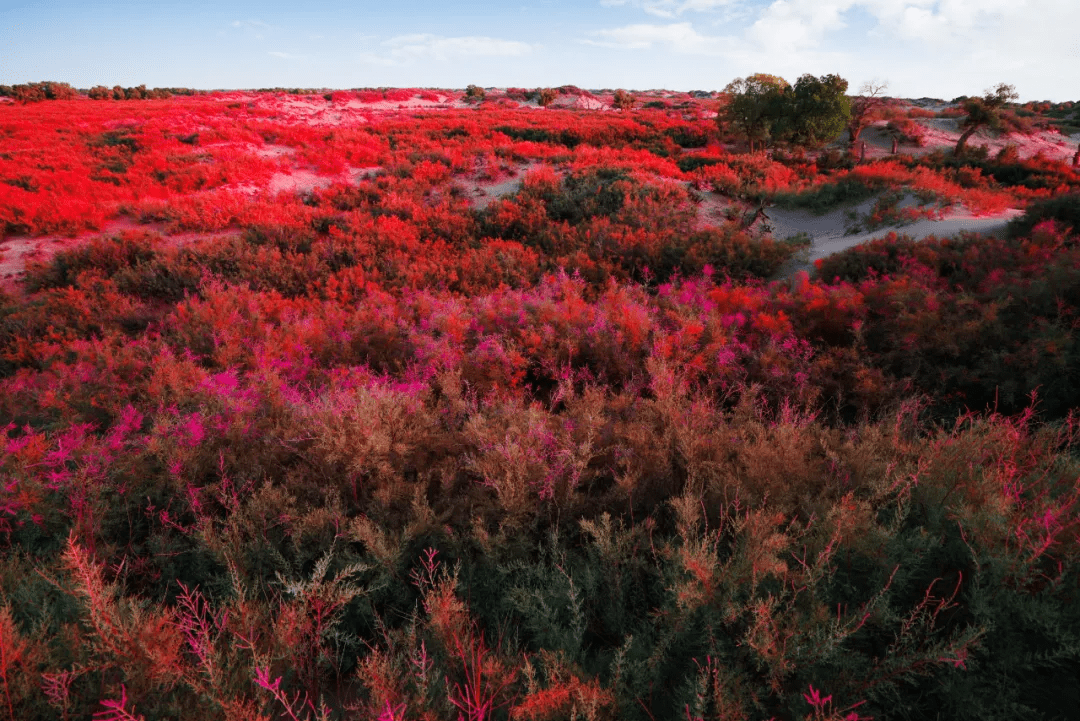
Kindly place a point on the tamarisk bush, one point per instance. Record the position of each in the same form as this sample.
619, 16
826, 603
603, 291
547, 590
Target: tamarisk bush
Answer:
493, 422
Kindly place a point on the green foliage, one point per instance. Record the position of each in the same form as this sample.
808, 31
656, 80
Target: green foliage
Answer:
752, 106
815, 112
597, 193
998, 308
1063, 209
828, 196
986, 111
567, 137
764, 107
690, 163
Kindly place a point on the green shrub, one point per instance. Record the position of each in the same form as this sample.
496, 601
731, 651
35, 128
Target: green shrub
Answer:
1064, 209
827, 197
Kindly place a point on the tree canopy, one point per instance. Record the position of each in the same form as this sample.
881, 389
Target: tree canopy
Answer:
766, 107
984, 112
750, 106
815, 112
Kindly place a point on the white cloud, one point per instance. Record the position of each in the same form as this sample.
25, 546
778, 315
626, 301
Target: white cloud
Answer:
679, 37
797, 24
415, 47
258, 27
670, 8
251, 24
935, 47
279, 54
804, 22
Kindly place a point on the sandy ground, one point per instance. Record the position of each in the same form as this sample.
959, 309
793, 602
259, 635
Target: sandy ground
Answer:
317, 111
829, 232
268, 150
944, 132
483, 193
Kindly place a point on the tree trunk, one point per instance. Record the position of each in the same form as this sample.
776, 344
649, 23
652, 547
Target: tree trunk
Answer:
964, 138
854, 131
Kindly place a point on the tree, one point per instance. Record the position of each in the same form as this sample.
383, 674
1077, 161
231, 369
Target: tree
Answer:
547, 96
814, 112
623, 100
474, 92
866, 107
36, 92
984, 112
751, 106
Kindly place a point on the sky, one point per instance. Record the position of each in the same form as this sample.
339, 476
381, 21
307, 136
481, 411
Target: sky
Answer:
921, 48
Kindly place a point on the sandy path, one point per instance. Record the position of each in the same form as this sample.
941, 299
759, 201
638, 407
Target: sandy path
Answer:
828, 232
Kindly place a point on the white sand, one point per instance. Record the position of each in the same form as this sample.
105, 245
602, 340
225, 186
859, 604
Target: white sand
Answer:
264, 151
484, 193
585, 102
828, 233
945, 132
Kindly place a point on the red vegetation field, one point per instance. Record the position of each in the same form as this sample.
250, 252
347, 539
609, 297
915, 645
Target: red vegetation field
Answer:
402, 405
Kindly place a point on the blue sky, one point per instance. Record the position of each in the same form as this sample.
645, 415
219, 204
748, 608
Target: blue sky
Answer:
936, 48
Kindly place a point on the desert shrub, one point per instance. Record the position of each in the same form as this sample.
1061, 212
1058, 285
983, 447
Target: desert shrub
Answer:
973, 321
828, 196
107, 255
835, 159
921, 113
567, 137
1063, 209
881, 256
623, 100
690, 163
688, 137
908, 132
730, 253
373, 452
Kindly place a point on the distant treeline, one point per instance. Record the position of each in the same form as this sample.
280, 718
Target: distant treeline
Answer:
101, 92
49, 90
